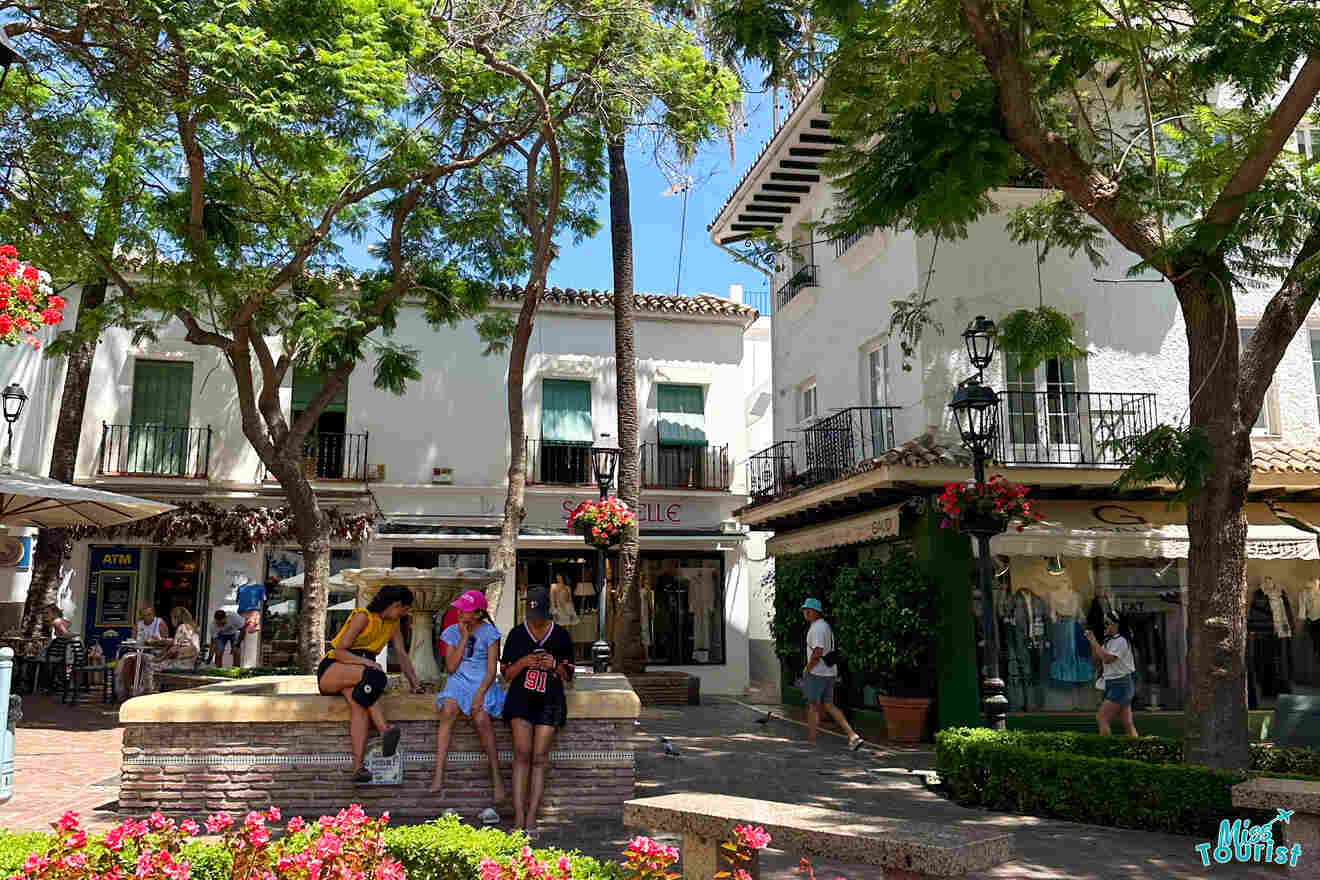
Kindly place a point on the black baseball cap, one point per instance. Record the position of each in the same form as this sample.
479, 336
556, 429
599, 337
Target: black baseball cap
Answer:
538, 604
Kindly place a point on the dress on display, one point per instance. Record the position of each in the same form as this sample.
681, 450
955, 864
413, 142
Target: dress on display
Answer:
561, 603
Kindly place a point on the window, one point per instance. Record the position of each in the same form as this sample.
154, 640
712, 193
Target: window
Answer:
566, 432
681, 432
328, 441
682, 607
1053, 437
877, 361
879, 438
1315, 364
159, 439
807, 402
1263, 424
1307, 141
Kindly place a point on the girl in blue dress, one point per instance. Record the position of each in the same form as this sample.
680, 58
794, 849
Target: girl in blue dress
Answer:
472, 653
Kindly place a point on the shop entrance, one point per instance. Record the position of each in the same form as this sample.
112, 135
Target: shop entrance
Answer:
568, 577
122, 580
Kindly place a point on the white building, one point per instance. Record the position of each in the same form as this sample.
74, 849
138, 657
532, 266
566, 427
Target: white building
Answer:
842, 399
162, 421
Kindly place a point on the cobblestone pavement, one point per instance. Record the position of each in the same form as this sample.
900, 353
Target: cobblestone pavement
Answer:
69, 759
65, 758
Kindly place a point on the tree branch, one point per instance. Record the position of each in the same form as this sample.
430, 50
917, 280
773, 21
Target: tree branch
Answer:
1049, 151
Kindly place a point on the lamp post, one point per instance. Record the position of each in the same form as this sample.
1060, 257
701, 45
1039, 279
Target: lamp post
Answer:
8, 55
13, 399
604, 458
976, 410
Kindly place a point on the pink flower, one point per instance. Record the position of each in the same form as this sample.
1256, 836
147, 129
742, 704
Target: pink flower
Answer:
752, 838
490, 869
114, 838
273, 814
177, 870
68, 821
259, 836
74, 861
329, 845
189, 827
78, 840
218, 822
296, 824
146, 863
157, 820
33, 863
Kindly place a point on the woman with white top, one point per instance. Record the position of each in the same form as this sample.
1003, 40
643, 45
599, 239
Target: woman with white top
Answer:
1119, 682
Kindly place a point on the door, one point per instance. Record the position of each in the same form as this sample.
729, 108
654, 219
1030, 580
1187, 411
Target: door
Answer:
881, 438
328, 440
162, 404
681, 432
1041, 411
566, 432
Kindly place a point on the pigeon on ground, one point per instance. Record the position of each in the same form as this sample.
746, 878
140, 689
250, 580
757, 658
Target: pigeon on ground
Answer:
766, 719
671, 750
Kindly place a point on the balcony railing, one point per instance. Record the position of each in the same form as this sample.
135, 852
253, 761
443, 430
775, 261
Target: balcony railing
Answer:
844, 242
337, 456
759, 300
556, 463
666, 466
803, 277
1072, 427
155, 450
830, 449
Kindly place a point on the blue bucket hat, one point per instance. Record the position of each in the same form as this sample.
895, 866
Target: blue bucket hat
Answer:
814, 605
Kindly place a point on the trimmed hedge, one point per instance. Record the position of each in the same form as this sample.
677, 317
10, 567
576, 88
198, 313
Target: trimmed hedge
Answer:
444, 849
1113, 781
246, 671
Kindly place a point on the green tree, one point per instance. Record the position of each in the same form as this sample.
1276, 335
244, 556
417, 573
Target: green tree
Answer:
1113, 104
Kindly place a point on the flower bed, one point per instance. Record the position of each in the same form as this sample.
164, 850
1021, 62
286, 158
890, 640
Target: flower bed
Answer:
1117, 781
347, 846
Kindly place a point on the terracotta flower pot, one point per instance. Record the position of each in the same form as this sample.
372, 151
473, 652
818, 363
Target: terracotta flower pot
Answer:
905, 718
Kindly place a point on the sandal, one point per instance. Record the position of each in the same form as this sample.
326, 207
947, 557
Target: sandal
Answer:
390, 742
488, 816
362, 776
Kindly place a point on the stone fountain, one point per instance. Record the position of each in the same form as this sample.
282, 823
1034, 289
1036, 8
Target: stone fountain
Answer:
433, 589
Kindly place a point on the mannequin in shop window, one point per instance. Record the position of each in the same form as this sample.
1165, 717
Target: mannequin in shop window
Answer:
1269, 643
562, 610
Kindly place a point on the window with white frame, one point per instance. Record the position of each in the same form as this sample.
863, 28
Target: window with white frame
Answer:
807, 402
1307, 141
1264, 421
877, 375
1041, 406
1315, 364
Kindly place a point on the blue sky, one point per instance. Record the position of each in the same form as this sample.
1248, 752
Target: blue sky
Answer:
656, 222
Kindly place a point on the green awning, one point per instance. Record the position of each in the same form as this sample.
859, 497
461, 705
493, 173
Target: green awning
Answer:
566, 411
307, 384
682, 410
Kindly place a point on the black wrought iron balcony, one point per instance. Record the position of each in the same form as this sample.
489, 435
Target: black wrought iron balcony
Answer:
336, 457
666, 466
155, 450
1072, 427
830, 449
804, 277
557, 463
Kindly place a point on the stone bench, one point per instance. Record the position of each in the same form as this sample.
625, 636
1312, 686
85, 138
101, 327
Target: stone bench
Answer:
178, 681
1299, 795
906, 850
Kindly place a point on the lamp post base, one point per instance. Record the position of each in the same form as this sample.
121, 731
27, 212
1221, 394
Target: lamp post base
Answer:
600, 656
995, 703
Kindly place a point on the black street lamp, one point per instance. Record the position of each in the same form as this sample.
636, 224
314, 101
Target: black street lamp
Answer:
976, 410
13, 399
8, 55
604, 459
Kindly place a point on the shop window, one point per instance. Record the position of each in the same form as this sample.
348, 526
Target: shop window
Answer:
162, 405
564, 457
424, 557
569, 578
683, 608
279, 621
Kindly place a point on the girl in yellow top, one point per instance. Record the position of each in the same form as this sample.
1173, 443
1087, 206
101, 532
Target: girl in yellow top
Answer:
350, 669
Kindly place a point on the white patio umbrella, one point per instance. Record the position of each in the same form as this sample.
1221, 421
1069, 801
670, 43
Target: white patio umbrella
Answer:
297, 581
27, 500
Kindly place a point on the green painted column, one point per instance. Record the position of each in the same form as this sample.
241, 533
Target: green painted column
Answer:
946, 555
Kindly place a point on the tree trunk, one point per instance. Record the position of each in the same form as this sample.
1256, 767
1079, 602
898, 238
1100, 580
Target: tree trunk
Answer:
49, 552
1216, 733
515, 511
312, 527
629, 652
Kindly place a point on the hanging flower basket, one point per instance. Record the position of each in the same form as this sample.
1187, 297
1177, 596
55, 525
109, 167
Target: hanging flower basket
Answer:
986, 508
601, 523
26, 301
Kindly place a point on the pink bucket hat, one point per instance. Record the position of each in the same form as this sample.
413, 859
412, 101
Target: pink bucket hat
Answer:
472, 600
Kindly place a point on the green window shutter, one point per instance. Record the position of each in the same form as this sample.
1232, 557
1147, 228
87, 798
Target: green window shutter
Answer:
566, 411
307, 384
162, 393
682, 411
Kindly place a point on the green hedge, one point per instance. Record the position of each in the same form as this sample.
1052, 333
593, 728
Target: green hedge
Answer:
246, 672
444, 849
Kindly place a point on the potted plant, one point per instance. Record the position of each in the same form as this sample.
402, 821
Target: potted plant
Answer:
885, 635
1034, 336
601, 523
986, 508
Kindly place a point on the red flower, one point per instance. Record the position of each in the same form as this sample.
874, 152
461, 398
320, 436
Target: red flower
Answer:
24, 293
30, 273
6, 324
58, 302
52, 316
8, 250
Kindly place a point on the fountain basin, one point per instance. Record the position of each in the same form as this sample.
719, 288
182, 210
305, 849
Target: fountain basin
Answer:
250, 744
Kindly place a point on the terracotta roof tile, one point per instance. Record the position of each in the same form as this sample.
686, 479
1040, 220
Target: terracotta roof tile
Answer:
701, 304
1279, 458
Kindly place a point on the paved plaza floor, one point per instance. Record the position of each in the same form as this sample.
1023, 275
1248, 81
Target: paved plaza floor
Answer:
68, 759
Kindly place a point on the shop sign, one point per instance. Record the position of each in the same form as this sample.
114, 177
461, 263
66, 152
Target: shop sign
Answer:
15, 552
655, 514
